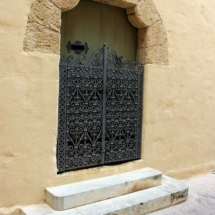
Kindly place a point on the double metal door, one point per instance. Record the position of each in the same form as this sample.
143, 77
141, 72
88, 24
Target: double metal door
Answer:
100, 110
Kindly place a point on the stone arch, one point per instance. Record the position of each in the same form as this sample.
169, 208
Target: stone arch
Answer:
44, 22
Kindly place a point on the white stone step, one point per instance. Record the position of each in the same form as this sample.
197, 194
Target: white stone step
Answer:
87, 192
138, 203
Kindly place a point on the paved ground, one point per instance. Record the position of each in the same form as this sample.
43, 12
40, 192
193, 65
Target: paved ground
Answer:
201, 199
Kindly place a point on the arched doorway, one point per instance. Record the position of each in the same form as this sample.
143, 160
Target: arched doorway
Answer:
100, 99
152, 46
95, 24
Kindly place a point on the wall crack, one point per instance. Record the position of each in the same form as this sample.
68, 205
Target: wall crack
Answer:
54, 4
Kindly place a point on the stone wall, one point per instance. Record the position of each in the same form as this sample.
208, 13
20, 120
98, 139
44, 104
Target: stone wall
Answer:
43, 28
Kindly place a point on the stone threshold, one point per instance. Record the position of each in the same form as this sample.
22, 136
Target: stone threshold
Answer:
141, 202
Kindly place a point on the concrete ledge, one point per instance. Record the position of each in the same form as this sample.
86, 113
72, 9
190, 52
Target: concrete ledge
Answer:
87, 192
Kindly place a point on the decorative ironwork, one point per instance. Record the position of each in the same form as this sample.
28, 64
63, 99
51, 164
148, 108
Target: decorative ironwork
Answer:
77, 47
100, 110
123, 120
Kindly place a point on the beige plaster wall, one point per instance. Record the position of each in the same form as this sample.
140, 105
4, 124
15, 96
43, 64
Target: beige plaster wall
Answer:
179, 105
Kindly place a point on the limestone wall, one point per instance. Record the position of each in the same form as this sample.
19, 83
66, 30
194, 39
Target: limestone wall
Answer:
43, 27
179, 96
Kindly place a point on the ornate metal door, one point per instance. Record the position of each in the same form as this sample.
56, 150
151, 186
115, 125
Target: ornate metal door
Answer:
100, 110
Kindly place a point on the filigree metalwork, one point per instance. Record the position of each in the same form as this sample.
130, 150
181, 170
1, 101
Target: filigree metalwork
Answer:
100, 110
123, 109
77, 47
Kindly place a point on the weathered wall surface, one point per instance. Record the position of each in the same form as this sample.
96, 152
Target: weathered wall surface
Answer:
179, 104
180, 99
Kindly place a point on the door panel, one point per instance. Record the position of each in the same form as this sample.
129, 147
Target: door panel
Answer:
100, 110
84, 116
97, 24
121, 114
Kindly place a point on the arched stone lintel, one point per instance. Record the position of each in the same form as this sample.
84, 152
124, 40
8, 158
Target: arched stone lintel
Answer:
66, 5
119, 3
143, 15
44, 21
